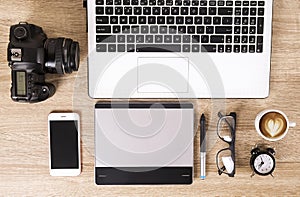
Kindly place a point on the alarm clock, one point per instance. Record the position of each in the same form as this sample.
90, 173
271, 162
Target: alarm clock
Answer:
262, 160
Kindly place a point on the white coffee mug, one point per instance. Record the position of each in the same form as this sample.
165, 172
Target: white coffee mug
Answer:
272, 123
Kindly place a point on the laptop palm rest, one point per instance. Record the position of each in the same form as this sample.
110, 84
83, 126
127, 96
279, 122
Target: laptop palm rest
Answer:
163, 75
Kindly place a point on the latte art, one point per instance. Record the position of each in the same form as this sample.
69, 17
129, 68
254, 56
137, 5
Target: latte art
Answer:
273, 125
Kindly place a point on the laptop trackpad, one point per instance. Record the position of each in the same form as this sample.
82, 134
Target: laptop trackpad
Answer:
163, 75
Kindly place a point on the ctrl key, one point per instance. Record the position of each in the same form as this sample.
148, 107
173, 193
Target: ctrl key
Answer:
101, 48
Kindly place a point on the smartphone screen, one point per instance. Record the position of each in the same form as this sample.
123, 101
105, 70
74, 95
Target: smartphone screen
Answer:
64, 144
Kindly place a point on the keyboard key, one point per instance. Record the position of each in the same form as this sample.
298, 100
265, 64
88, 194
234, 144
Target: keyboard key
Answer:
121, 47
105, 38
165, 11
186, 39
238, 3
245, 11
134, 2
195, 38
99, 10
146, 10
109, 2
163, 29
195, 3
252, 11
202, 11
261, 3
252, 30
177, 39
152, 2
203, 3
245, 30
228, 48
170, 20
109, 10
130, 39
245, 20
139, 38
130, 48
223, 30
154, 29
198, 20
216, 39
121, 38
156, 10
191, 29
144, 29
169, 2
99, 2
161, 20
260, 25
229, 3
135, 29
142, 20
204, 39
228, 39
227, 20
237, 30
102, 19
236, 48
137, 10
251, 48
200, 30
207, 20
118, 10
252, 20
195, 48
175, 10
261, 11
208, 48
238, 11
244, 49
259, 48
149, 39
184, 10
179, 20
112, 48
114, 20
126, 2
151, 20
172, 29
209, 29
181, 29
123, 19
144, 2
244, 39
193, 11
116, 29
101, 48
237, 39
186, 2
245, 3
189, 20
168, 39
158, 48
253, 3
128, 10
251, 39
126, 29
178, 2
237, 20
221, 48
260, 39
186, 48
103, 29
160, 2
225, 11
212, 11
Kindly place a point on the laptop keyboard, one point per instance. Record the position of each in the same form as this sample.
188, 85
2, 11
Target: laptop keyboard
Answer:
180, 26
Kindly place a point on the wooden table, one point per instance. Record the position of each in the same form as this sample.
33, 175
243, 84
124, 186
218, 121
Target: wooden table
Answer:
23, 127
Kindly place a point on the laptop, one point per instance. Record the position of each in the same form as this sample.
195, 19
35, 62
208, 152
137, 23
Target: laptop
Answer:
144, 143
179, 48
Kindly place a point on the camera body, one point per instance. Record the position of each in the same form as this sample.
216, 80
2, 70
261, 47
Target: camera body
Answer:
31, 55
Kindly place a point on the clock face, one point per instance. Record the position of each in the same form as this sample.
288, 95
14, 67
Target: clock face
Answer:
264, 164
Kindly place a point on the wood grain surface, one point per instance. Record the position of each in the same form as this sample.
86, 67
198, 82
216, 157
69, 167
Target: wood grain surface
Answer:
24, 169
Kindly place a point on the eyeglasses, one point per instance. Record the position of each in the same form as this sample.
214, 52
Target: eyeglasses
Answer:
226, 130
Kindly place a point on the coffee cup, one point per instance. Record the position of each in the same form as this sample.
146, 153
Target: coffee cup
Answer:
272, 124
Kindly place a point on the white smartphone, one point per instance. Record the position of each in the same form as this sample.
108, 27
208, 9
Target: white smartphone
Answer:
64, 144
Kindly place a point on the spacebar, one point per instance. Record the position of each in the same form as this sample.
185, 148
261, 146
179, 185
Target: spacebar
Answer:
158, 48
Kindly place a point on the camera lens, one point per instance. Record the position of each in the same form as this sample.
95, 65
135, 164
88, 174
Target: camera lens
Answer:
20, 32
62, 55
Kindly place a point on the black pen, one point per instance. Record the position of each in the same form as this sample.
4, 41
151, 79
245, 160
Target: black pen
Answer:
202, 146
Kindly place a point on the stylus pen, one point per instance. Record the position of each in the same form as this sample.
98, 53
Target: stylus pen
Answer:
202, 146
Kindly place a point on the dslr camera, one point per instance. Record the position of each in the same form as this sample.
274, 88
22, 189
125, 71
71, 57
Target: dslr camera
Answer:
31, 55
